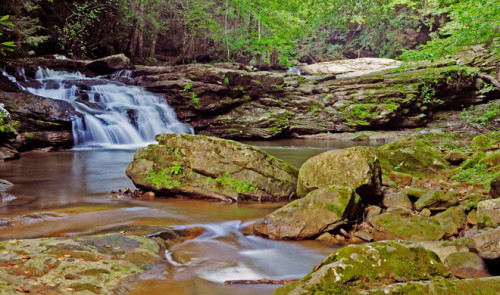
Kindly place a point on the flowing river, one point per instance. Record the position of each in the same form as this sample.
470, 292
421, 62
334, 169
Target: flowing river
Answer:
65, 193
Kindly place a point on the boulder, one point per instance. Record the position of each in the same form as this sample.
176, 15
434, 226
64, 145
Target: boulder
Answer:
84, 265
208, 167
110, 64
442, 286
488, 213
466, 265
357, 167
359, 267
320, 211
436, 201
444, 248
397, 200
402, 224
488, 243
414, 157
5, 185
452, 220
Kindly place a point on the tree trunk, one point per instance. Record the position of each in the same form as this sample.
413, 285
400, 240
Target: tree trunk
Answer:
133, 42
152, 48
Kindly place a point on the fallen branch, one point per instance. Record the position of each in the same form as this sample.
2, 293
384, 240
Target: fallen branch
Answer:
489, 79
259, 282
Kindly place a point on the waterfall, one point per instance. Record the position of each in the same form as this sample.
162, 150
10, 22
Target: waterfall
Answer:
112, 114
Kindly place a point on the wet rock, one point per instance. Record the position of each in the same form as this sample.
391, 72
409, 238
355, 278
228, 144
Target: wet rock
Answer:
209, 167
466, 265
8, 153
320, 211
488, 213
402, 224
110, 64
397, 200
488, 243
359, 267
442, 286
357, 167
5, 185
452, 220
436, 201
93, 264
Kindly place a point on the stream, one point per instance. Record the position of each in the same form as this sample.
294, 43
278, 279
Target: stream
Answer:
65, 193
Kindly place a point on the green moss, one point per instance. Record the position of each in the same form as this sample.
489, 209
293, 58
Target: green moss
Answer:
237, 185
162, 178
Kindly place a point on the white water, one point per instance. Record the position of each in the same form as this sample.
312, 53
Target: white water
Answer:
112, 114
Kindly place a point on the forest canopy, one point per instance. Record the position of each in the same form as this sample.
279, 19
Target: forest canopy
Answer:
250, 31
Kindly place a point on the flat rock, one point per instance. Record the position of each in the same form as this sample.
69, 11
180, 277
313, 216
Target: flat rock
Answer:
92, 264
402, 224
436, 201
353, 67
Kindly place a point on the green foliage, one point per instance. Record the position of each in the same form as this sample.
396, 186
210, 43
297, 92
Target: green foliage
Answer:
470, 22
470, 205
238, 186
7, 125
6, 45
188, 86
163, 178
478, 174
195, 99
176, 169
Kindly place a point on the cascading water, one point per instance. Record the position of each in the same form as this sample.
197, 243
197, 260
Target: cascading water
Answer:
111, 113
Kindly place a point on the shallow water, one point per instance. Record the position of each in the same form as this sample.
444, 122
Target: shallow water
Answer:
71, 188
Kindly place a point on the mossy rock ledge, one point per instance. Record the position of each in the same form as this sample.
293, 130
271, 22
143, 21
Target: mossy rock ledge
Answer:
211, 168
320, 211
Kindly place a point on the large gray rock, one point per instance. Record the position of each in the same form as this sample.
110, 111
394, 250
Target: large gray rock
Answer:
209, 167
488, 243
320, 211
351, 67
357, 167
488, 212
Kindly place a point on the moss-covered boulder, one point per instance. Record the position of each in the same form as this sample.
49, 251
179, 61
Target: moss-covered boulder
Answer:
209, 167
488, 213
466, 265
442, 287
357, 167
359, 267
452, 220
436, 201
404, 225
84, 265
319, 211
487, 243
413, 157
